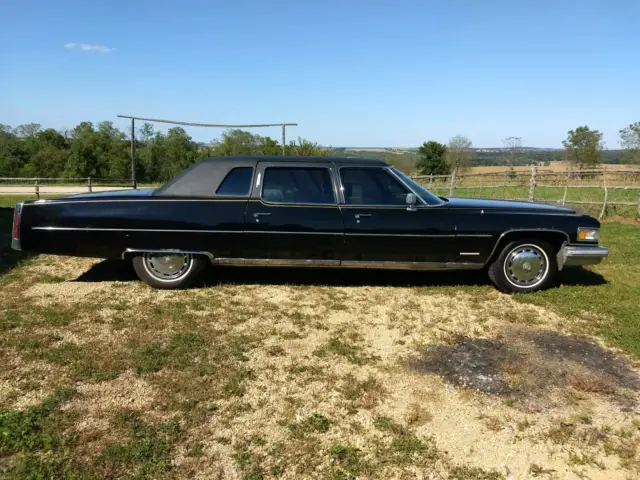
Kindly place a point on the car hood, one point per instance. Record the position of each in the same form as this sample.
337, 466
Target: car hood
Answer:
481, 203
113, 194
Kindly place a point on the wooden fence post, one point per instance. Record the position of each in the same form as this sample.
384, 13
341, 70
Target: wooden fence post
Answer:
37, 190
452, 185
639, 205
532, 184
606, 193
431, 182
89, 185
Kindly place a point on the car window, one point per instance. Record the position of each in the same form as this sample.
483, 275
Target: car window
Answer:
237, 182
306, 185
371, 186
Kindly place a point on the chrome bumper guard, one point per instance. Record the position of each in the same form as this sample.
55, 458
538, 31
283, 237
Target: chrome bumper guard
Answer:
583, 255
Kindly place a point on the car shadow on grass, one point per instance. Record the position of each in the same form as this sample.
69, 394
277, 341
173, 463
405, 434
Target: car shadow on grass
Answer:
118, 270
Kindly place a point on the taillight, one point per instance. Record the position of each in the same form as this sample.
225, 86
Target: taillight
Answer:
16, 221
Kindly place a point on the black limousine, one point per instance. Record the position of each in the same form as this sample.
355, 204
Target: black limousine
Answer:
312, 212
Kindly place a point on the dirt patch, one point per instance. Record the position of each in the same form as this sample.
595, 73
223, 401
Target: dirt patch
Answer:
529, 364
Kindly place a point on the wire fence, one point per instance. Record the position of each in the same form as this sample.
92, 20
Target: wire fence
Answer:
601, 191
37, 186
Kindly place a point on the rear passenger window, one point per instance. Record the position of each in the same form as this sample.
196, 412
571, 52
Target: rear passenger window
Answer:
237, 182
298, 185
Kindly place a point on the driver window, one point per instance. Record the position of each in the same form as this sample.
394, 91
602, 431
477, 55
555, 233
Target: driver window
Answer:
371, 186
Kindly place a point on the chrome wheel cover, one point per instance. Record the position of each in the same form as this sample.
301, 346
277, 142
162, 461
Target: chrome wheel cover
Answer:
526, 266
167, 266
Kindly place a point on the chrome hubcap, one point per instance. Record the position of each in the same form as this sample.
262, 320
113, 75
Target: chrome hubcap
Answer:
526, 266
167, 266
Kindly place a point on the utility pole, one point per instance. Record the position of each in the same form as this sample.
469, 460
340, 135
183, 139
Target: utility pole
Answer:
133, 153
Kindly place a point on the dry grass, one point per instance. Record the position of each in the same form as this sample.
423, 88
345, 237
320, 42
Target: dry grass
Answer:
299, 381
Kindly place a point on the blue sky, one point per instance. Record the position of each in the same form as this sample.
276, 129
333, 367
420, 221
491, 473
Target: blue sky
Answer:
350, 72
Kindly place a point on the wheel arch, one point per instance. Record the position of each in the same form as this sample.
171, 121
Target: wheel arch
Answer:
129, 253
556, 238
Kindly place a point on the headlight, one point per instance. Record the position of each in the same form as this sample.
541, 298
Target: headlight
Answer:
588, 234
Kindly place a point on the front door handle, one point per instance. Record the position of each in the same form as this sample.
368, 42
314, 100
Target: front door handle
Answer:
361, 215
260, 214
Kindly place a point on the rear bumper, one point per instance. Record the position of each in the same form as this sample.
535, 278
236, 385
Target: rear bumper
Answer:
582, 255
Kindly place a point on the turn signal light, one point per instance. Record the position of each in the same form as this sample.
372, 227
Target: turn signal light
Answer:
588, 234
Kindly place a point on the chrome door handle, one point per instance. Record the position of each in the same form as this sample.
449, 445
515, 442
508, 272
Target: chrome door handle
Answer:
260, 214
361, 215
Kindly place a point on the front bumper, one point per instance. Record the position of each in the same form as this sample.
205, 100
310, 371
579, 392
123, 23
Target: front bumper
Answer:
581, 255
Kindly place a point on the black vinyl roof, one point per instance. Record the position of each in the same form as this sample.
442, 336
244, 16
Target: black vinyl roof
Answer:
284, 159
202, 178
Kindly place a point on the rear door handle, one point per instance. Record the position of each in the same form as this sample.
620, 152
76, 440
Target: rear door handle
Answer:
361, 215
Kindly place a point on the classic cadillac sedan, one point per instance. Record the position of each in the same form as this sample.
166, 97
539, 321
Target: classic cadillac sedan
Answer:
311, 212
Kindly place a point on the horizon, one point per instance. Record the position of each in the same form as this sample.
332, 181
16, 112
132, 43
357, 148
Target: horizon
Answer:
364, 73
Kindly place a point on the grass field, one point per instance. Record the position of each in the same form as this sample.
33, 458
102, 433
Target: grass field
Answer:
316, 374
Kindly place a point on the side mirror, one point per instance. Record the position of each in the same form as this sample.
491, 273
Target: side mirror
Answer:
411, 202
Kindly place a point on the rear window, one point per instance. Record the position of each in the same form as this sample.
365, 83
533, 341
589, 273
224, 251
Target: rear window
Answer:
237, 182
304, 185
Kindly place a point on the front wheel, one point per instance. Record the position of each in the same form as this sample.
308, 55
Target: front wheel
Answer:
168, 270
524, 266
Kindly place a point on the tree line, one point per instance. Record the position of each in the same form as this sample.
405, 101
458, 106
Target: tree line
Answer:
583, 148
103, 151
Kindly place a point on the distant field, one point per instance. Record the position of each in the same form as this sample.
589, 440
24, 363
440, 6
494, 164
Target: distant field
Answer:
554, 166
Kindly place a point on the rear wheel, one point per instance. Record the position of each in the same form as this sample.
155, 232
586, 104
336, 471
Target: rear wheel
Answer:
524, 266
168, 270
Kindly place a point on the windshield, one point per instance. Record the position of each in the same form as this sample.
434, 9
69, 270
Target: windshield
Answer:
426, 195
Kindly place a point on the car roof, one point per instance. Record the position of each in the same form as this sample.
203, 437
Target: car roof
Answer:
285, 159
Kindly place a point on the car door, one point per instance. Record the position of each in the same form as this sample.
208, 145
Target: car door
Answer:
293, 214
381, 227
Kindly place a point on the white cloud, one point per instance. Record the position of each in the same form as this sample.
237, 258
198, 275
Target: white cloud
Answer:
85, 47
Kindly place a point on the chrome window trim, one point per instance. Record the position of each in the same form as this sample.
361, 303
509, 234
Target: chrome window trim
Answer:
302, 167
379, 167
532, 230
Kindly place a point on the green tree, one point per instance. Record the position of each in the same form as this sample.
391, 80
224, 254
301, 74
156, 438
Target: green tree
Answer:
306, 148
13, 155
237, 142
179, 151
432, 159
459, 153
583, 147
630, 142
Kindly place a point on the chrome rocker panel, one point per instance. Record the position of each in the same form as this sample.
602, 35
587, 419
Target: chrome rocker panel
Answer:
571, 255
285, 262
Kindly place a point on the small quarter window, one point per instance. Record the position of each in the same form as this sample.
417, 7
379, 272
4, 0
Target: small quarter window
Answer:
237, 182
298, 185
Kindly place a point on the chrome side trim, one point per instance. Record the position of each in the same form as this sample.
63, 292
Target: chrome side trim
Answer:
91, 229
469, 253
291, 233
15, 242
129, 251
571, 256
531, 230
275, 262
411, 265
474, 235
444, 235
